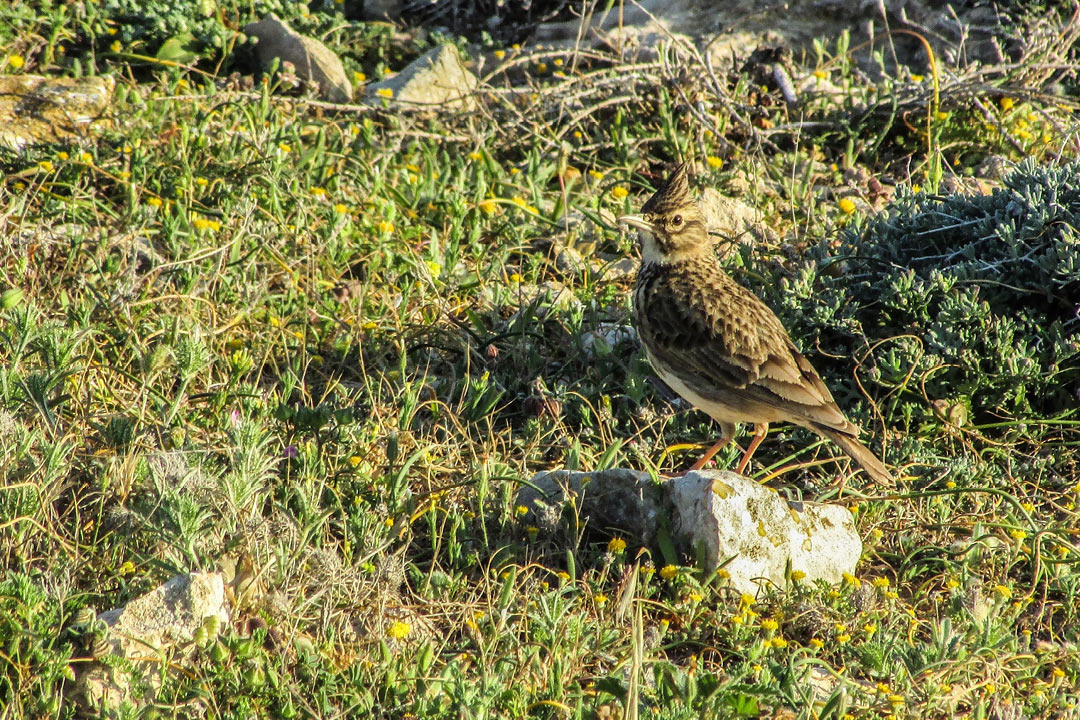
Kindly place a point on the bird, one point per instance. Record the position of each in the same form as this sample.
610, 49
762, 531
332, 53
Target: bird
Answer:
718, 345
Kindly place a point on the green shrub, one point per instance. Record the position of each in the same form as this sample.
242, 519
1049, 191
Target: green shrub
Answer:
968, 300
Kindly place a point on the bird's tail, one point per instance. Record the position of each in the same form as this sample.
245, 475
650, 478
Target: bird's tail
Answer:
859, 453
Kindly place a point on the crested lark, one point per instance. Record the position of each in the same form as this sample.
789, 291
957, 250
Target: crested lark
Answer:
715, 343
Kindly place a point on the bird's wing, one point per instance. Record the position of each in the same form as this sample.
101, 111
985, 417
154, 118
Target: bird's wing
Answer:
715, 335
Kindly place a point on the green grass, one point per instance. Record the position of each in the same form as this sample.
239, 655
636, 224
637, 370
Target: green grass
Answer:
242, 326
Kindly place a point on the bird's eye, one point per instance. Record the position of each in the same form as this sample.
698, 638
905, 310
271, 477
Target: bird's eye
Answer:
677, 220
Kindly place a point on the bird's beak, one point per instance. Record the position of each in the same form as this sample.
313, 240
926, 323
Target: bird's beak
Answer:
635, 221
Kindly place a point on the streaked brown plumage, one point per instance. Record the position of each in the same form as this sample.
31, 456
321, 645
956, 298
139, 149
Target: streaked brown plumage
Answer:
715, 343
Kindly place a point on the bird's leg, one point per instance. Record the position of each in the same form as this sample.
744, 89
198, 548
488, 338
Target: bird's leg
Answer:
760, 430
727, 432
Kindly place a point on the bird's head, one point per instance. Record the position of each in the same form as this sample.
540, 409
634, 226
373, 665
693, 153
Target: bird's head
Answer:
671, 226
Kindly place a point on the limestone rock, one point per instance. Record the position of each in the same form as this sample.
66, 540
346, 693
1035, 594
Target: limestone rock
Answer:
605, 337
436, 78
148, 629
747, 528
627, 501
314, 62
756, 534
731, 218
36, 109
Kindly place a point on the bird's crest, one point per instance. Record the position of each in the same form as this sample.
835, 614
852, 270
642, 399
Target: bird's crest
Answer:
672, 195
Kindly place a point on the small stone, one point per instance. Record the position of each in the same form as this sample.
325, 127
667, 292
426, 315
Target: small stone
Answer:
607, 336
734, 522
36, 109
732, 518
149, 628
436, 78
314, 62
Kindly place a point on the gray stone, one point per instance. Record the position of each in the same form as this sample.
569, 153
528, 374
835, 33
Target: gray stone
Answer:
314, 62
731, 218
734, 522
755, 534
436, 78
626, 500
607, 336
147, 632
36, 109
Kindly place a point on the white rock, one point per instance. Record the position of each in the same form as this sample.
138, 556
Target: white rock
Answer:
314, 62
37, 109
609, 335
747, 528
755, 534
149, 629
438, 77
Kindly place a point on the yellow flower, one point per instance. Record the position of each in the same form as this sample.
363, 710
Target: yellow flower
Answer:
475, 156
116, 46
847, 205
695, 597
398, 630
434, 268
384, 226
359, 77
318, 192
820, 74
1018, 534
285, 147
942, 115
355, 460
201, 181
843, 639
487, 207
519, 201
616, 545
769, 624
619, 192
869, 628
798, 575
668, 572
206, 225
340, 208
46, 165
385, 92
949, 484
714, 162
816, 644
1004, 591
881, 582
516, 278
1058, 673
851, 579
62, 155
917, 78
779, 642
499, 54
541, 67
15, 62
1006, 103
154, 202
600, 599
86, 157
597, 175
127, 568
515, 171
521, 510
562, 575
